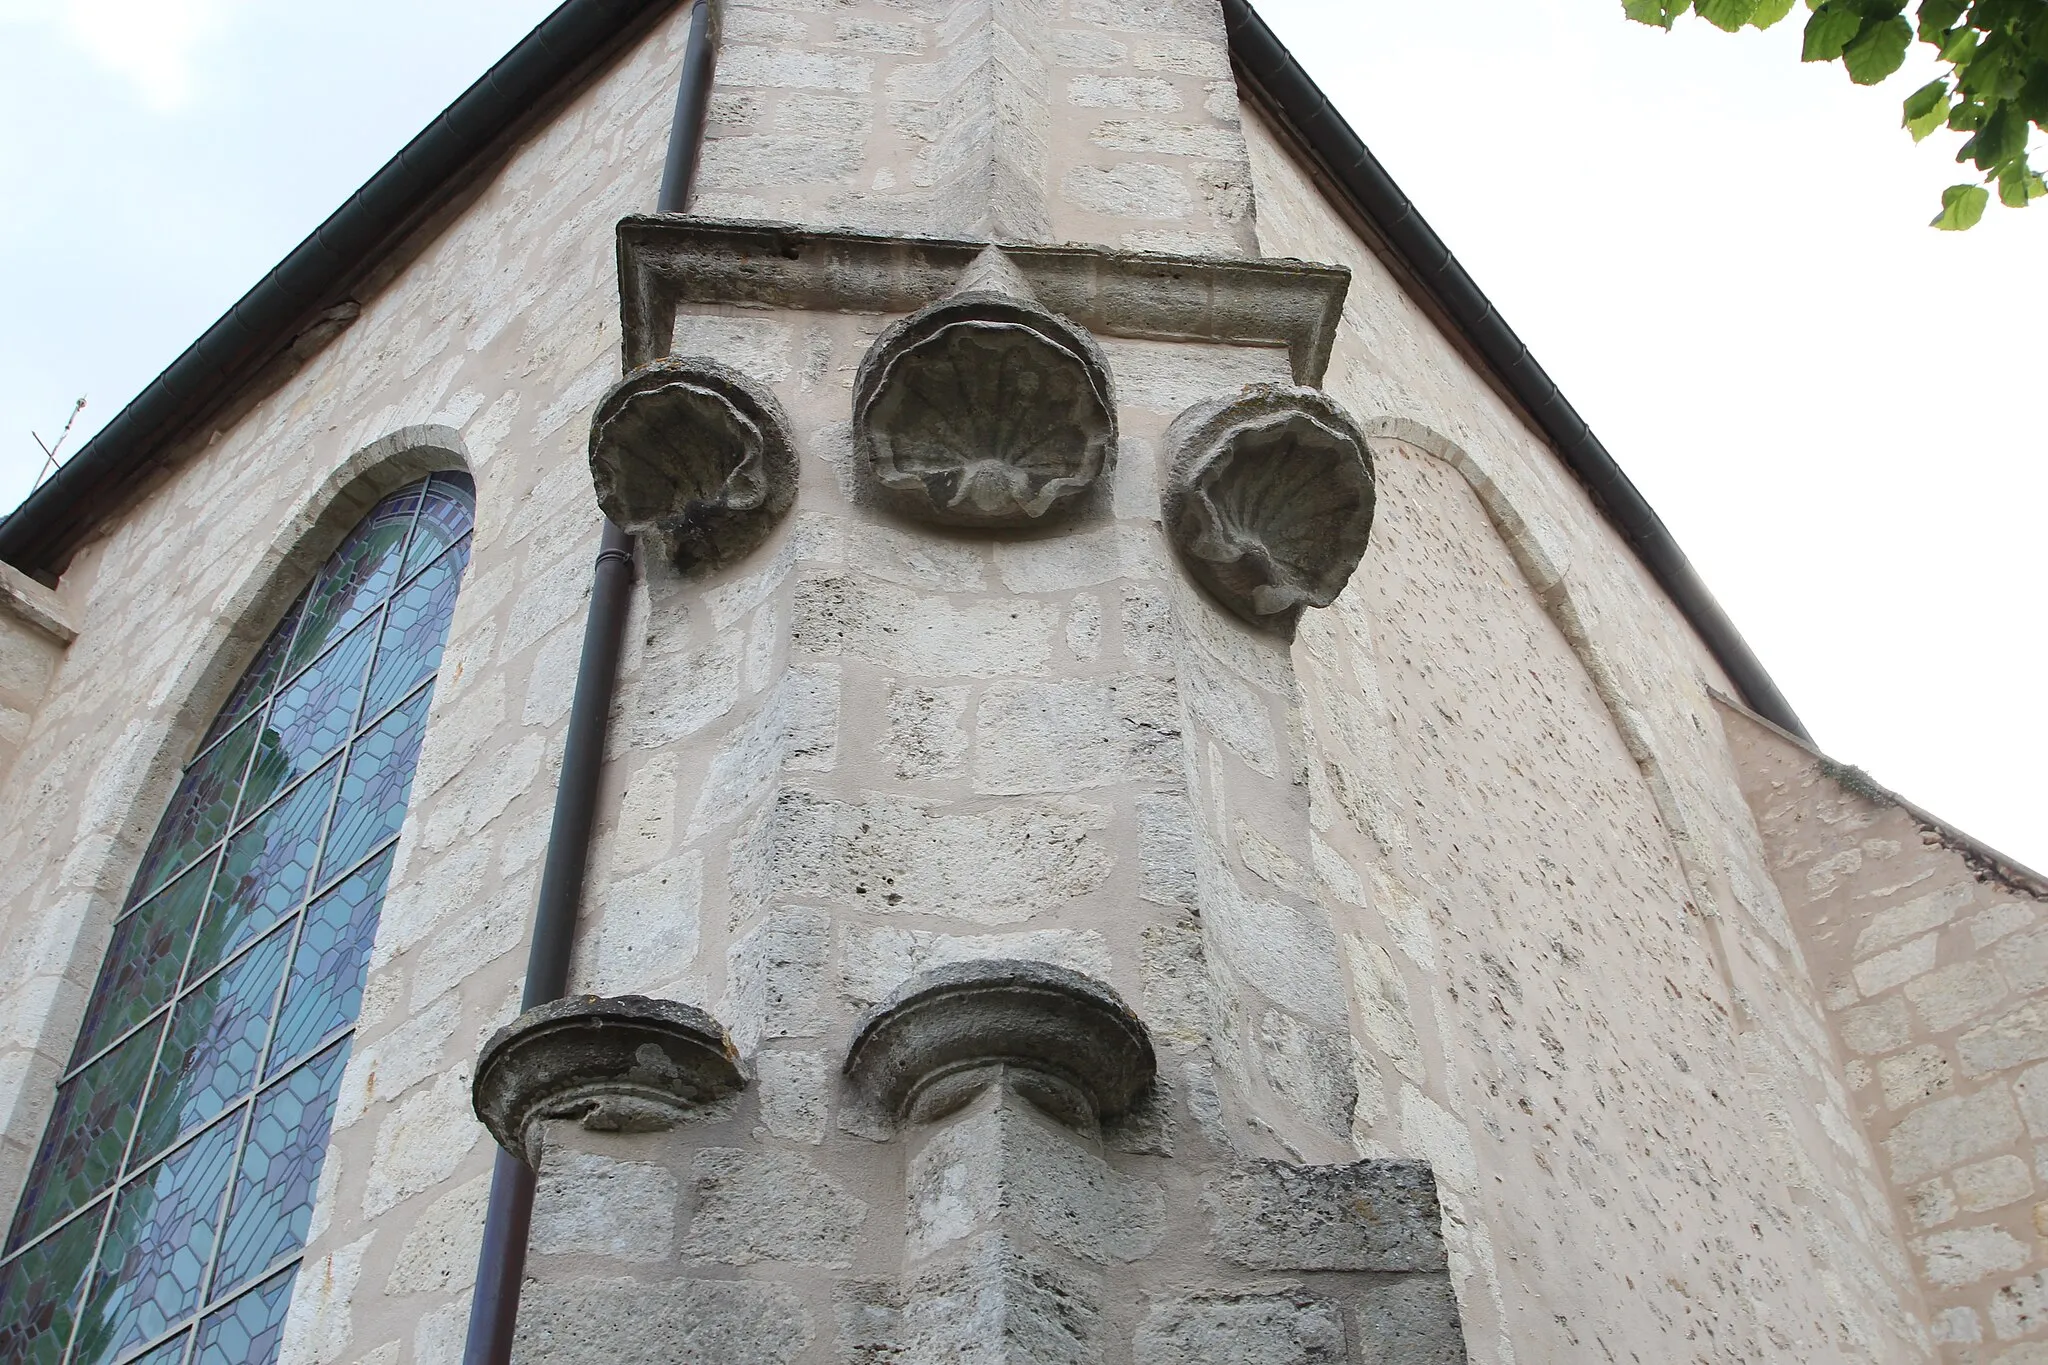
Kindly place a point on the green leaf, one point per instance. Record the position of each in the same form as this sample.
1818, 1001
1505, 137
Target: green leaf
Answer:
1657, 12
1960, 47
1927, 109
1937, 17
1878, 51
1769, 12
1726, 15
1828, 32
1961, 207
2018, 186
2002, 138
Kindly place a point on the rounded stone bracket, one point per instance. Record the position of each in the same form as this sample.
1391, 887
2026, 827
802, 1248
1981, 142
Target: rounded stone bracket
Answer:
695, 454
1064, 1041
625, 1064
1269, 500
984, 410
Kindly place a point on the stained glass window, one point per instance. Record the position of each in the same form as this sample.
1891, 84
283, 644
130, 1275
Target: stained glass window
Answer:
168, 1205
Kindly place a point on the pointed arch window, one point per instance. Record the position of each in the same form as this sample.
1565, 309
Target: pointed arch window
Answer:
169, 1202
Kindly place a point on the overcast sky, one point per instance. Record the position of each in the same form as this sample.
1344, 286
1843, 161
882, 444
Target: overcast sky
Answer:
1720, 255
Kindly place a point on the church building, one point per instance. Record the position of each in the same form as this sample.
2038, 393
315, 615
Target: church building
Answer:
910, 681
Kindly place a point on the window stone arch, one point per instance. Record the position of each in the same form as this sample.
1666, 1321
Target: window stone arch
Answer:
171, 1194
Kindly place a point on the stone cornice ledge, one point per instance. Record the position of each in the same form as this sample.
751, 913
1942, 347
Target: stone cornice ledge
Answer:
35, 604
669, 260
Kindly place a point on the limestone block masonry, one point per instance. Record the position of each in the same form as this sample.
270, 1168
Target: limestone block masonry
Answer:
1502, 998
35, 629
1003, 1170
1932, 955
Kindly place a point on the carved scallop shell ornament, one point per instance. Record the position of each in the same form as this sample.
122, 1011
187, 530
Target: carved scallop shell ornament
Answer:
695, 454
1269, 500
984, 410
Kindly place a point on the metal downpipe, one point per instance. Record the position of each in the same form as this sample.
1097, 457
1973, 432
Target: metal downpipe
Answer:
501, 1266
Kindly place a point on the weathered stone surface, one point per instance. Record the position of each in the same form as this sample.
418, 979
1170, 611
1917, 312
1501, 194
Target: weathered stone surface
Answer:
1309, 1069
1877, 1028
1945, 1133
2018, 1036
774, 1206
1370, 1215
1898, 923
775, 978
846, 614
1955, 994
1050, 737
926, 737
1911, 1077
634, 1322
2031, 1087
1967, 1255
1243, 1329
1931, 1204
1992, 1184
694, 454
874, 962
626, 1063
984, 409
2025, 961
1004, 1164
317, 1328
667, 262
421, 1142
1888, 969
917, 857
1289, 955
1001, 1304
1957, 1325
586, 1204
2020, 1307
441, 1250
1412, 1320
1270, 501
934, 1043
793, 1087
1176, 984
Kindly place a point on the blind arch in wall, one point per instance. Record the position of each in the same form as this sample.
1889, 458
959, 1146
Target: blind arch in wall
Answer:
169, 1201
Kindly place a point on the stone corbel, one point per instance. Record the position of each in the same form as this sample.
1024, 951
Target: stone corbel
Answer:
624, 1064
1000, 1075
1066, 1043
695, 454
1269, 500
985, 409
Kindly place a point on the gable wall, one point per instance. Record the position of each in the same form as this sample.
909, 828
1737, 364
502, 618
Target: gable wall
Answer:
1934, 966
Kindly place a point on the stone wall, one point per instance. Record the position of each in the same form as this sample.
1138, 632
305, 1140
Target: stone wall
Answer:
1934, 962
1585, 1003
1466, 876
487, 351
34, 631
1111, 121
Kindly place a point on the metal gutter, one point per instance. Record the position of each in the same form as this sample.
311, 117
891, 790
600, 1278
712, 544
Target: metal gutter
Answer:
508, 1218
1350, 167
302, 302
